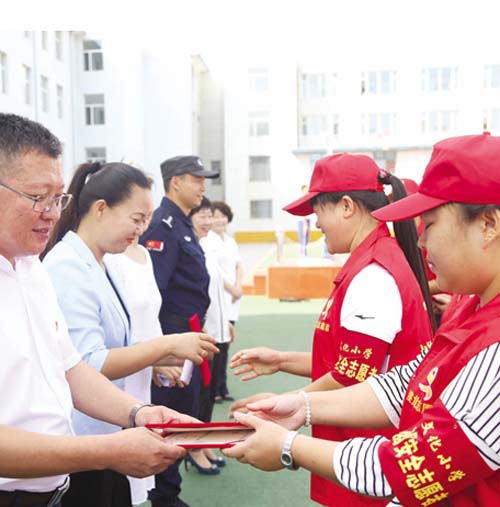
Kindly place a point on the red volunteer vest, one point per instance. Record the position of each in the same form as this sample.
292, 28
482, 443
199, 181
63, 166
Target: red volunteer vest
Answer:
354, 362
432, 462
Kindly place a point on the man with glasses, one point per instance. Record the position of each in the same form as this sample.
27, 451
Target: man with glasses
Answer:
41, 375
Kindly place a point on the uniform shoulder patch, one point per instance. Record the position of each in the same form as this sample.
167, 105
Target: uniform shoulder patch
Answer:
155, 245
169, 221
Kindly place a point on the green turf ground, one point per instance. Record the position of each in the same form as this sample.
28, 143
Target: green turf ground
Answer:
281, 325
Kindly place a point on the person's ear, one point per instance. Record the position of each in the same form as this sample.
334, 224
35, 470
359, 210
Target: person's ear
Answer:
490, 225
99, 207
347, 206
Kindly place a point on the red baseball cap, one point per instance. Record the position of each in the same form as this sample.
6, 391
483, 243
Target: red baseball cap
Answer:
411, 186
462, 169
338, 173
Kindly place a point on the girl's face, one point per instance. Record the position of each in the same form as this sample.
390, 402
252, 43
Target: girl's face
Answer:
202, 222
456, 251
219, 222
121, 225
337, 230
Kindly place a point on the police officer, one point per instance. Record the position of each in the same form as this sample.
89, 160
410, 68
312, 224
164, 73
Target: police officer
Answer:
182, 277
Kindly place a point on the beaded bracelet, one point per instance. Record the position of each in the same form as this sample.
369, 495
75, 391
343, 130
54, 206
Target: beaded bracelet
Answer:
308, 407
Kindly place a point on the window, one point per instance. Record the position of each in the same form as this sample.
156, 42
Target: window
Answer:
378, 82
379, 124
96, 154
439, 79
258, 124
215, 165
313, 86
45, 38
94, 109
60, 101
92, 55
492, 76
258, 80
335, 125
59, 45
27, 34
3, 72
261, 208
44, 86
27, 84
491, 120
260, 168
439, 121
313, 125
385, 159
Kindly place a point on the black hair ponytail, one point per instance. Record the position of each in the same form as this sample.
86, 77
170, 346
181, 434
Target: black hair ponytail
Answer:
407, 238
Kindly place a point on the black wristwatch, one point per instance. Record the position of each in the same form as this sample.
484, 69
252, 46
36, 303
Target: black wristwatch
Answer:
286, 451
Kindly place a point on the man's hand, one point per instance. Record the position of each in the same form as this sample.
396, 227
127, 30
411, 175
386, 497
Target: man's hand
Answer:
241, 405
255, 362
140, 452
440, 302
161, 415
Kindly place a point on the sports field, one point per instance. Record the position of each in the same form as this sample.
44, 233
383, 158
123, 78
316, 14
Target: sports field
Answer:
282, 325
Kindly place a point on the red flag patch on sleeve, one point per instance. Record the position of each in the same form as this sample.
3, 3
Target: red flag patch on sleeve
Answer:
155, 245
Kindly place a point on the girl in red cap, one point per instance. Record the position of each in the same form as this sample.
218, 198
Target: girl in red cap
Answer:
445, 403
375, 317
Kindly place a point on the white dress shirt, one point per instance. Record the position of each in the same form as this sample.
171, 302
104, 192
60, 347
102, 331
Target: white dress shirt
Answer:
143, 300
36, 353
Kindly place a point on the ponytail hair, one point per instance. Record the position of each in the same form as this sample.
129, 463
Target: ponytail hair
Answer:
405, 232
112, 182
407, 238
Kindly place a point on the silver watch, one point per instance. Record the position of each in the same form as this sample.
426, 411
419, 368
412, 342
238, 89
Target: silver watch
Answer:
286, 451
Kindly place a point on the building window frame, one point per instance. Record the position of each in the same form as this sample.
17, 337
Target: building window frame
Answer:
28, 84
259, 124
58, 41
261, 209
259, 168
44, 93
93, 58
4, 73
96, 154
95, 109
60, 101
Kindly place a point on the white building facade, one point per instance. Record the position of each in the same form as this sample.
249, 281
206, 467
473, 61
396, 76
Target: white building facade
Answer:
282, 114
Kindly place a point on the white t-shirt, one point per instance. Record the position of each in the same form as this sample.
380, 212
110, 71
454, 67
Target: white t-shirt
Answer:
216, 321
36, 353
143, 301
380, 316
228, 257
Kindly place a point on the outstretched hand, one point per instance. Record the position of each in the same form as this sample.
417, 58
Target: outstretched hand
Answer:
241, 405
263, 448
255, 362
287, 410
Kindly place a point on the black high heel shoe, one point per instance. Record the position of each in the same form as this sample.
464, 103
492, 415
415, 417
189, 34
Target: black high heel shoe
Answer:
211, 470
218, 461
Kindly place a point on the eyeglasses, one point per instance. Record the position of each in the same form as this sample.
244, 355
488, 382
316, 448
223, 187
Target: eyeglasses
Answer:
43, 204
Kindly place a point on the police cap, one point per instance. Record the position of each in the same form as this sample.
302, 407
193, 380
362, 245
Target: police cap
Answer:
185, 165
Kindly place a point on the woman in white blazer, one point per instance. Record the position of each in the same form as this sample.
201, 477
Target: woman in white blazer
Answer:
111, 207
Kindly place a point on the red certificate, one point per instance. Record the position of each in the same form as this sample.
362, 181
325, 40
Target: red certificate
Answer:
219, 435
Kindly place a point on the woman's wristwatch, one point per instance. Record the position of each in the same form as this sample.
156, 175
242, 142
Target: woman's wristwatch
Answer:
286, 451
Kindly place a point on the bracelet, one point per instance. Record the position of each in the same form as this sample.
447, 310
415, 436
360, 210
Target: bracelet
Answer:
308, 407
133, 413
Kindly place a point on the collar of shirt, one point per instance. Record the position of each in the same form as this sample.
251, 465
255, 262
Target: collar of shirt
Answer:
170, 208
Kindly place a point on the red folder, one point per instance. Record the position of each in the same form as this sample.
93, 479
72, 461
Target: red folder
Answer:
216, 435
206, 376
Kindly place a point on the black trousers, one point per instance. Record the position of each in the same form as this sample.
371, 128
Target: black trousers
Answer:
98, 488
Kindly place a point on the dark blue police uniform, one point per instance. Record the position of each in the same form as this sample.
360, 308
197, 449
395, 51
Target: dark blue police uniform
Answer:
182, 277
